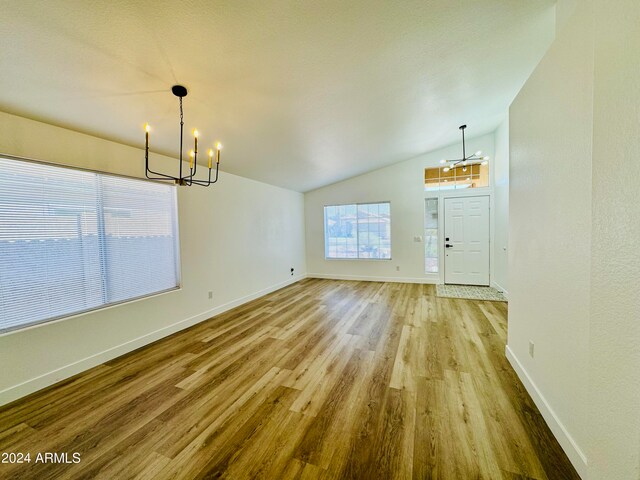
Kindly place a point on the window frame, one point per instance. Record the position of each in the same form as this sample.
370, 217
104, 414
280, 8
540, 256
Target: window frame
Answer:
104, 306
438, 235
356, 204
454, 187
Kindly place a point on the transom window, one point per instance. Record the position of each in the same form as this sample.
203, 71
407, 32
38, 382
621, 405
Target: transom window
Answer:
360, 230
463, 176
74, 240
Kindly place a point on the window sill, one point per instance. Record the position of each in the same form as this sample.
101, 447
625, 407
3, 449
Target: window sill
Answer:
50, 321
360, 259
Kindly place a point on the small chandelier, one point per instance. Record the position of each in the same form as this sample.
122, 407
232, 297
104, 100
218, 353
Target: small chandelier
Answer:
188, 180
470, 160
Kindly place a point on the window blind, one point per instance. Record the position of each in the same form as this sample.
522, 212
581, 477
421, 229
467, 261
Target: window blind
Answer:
72, 241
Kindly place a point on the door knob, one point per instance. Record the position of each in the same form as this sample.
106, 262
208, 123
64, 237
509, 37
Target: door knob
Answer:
446, 245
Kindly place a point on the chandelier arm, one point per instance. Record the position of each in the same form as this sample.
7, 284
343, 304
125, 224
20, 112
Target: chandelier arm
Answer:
165, 178
195, 161
189, 178
192, 171
217, 166
146, 164
206, 183
200, 183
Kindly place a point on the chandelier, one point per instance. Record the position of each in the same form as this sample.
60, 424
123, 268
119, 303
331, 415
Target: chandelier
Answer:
187, 179
474, 159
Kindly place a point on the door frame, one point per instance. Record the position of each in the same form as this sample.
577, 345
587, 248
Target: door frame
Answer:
441, 195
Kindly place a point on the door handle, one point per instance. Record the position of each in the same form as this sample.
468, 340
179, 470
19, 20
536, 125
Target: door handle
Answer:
446, 245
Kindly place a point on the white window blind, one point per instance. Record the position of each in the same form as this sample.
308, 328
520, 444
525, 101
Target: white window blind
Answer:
358, 231
72, 241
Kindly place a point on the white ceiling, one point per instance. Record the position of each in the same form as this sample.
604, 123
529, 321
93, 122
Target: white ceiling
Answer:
301, 93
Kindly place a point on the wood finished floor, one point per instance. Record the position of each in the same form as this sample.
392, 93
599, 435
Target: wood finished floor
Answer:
322, 379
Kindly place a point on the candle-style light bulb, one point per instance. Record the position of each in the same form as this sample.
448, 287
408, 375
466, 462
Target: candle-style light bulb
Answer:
218, 148
191, 154
210, 152
147, 129
195, 140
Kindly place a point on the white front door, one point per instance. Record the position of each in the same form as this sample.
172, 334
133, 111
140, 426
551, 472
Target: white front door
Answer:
466, 240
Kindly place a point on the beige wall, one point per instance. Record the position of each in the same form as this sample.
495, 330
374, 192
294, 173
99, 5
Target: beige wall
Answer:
238, 238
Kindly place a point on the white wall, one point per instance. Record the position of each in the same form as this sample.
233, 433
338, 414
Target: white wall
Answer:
564, 11
574, 262
500, 235
403, 185
550, 232
614, 450
238, 238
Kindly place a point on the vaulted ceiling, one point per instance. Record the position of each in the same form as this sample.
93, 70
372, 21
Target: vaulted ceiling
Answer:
301, 93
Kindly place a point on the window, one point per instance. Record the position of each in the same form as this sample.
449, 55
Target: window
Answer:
469, 176
358, 231
431, 235
73, 240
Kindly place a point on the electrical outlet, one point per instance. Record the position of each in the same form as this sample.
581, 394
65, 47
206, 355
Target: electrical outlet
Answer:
210, 295
531, 349
291, 271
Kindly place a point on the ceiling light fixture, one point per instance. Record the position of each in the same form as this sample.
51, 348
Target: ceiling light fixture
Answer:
187, 180
472, 159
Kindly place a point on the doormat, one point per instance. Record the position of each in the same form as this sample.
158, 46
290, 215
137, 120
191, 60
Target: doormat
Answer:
470, 292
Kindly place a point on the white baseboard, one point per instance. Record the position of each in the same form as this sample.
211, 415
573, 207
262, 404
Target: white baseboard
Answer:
498, 287
566, 441
32, 385
361, 278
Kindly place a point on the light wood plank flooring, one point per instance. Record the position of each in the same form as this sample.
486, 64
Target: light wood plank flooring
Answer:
322, 379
